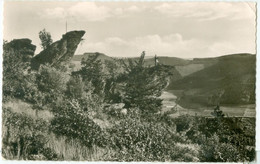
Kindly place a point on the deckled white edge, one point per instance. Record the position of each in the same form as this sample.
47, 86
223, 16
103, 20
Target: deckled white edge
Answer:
72, 162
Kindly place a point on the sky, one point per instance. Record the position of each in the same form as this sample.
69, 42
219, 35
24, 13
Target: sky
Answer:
125, 29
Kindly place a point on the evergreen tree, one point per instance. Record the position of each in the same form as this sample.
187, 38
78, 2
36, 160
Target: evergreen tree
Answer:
144, 85
45, 38
217, 112
92, 73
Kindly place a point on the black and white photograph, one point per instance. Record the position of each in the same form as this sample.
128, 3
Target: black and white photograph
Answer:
129, 81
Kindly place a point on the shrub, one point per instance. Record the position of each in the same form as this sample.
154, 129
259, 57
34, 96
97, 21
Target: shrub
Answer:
73, 122
222, 139
214, 151
75, 87
51, 80
183, 123
50, 85
135, 140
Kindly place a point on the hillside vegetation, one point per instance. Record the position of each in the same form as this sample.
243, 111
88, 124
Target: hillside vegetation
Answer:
110, 109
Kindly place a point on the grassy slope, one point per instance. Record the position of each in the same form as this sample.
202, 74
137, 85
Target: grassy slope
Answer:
65, 149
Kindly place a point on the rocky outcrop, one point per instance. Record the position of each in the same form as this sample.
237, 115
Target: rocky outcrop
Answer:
60, 51
22, 47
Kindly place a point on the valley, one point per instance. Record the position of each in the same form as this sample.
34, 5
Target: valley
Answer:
175, 110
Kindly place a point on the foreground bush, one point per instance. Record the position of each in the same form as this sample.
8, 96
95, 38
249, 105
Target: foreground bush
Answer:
137, 140
225, 139
73, 122
24, 137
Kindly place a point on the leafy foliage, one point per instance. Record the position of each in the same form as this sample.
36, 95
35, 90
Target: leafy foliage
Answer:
14, 67
75, 87
222, 139
44, 87
215, 151
91, 72
73, 122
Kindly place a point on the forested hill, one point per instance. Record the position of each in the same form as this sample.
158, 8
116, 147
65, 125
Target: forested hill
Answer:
230, 81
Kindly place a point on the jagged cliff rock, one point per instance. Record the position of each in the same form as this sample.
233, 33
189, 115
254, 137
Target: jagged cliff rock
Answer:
21, 47
60, 51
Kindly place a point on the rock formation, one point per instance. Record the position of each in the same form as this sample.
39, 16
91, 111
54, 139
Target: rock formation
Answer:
21, 47
60, 51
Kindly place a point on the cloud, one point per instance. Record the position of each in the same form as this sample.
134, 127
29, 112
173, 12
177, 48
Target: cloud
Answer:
206, 11
89, 11
169, 45
82, 10
202, 11
134, 8
57, 12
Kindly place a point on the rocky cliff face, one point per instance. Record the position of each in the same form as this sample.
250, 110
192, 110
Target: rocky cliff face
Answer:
21, 47
59, 52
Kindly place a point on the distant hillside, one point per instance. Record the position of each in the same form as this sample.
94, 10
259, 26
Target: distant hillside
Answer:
76, 60
101, 56
172, 61
149, 61
230, 81
183, 66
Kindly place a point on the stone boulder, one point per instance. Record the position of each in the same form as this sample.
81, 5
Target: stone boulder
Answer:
23, 47
123, 111
116, 109
59, 52
117, 106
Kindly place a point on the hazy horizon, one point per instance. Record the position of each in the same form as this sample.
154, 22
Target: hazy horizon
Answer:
125, 29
